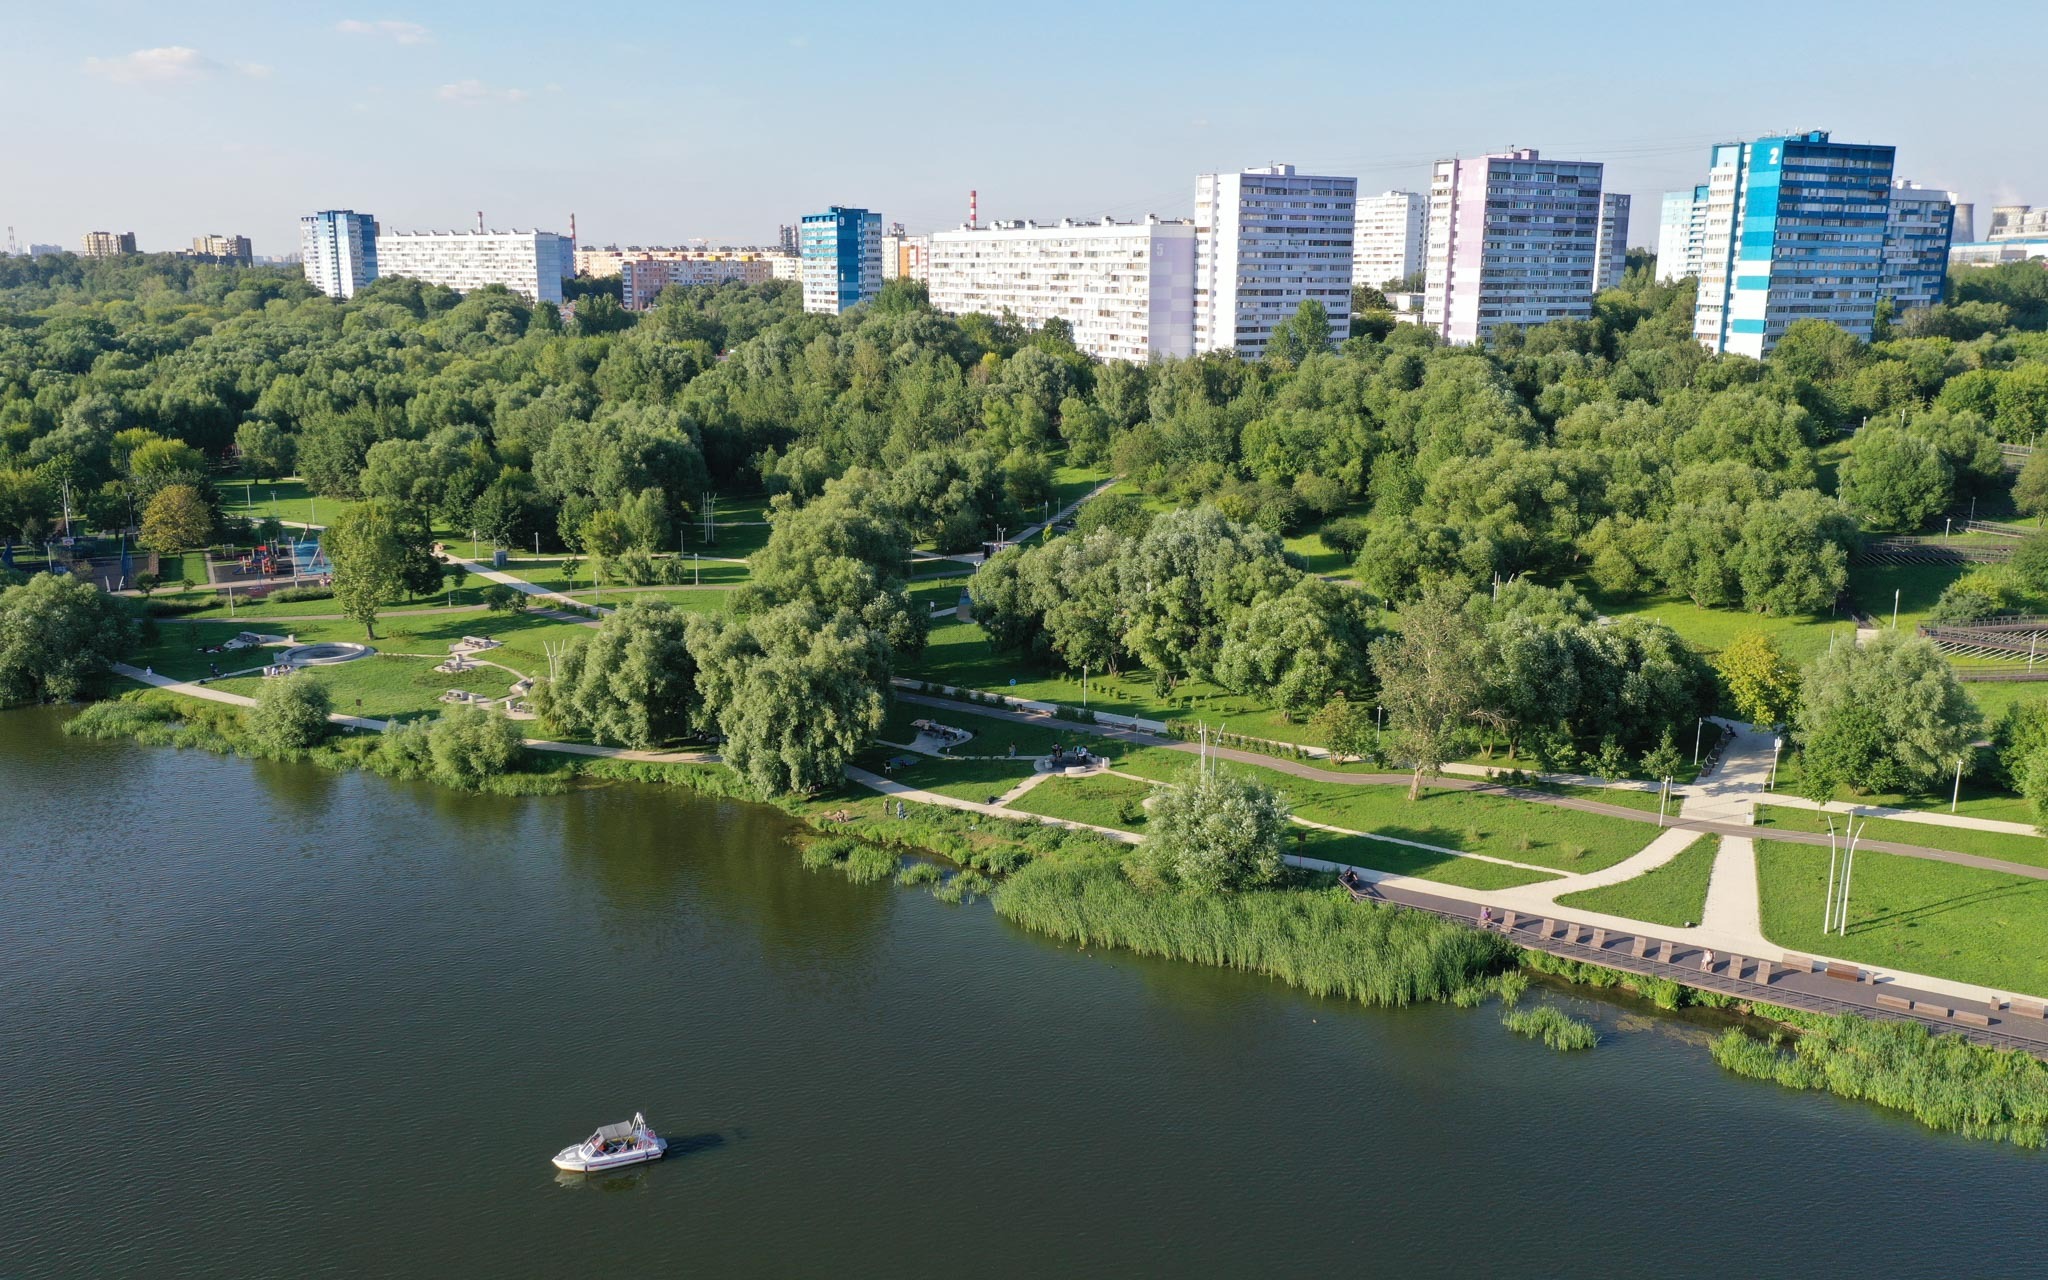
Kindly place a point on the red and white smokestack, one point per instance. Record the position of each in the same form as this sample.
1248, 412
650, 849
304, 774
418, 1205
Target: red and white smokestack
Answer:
479, 221
973, 210
572, 227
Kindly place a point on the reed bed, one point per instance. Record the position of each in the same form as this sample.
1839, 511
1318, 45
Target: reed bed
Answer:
1553, 1027
1944, 1081
1318, 940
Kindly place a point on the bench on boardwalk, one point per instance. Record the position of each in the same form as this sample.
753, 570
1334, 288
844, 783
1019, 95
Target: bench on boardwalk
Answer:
1894, 1002
1798, 964
1356, 884
1845, 972
1974, 1019
2028, 1008
1929, 1009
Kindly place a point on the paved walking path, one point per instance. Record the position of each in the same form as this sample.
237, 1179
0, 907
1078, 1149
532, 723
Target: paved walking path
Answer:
1941, 819
912, 795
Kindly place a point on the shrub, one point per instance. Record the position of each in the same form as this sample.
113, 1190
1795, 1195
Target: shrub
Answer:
920, 873
1553, 1027
1511, 985
290, 714
297, 595
470, 744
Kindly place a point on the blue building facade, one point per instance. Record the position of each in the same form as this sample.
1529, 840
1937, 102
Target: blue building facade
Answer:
1795, 230
841, 250
338, 251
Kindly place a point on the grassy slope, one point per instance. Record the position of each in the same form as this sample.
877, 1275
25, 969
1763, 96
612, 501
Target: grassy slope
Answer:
1470, 823
1674, 894
388, 687
1926, 917
1100, 800
2032, 850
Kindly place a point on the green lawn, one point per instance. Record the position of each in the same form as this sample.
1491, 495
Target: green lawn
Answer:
1070, 483
2032, 850
974, 780
524, 636
550, 572
1917, 586
1101, 801
1400, 860
287, 499
1674, 894
993, 736
1625, 797
1925, 917
388, 687
1466, 821
1801, 639
1982, 797
218, 606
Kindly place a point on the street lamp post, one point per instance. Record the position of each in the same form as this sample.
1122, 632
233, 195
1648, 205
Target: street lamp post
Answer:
1698, 736
1777, 745
1895, 607
1957, 797
1827, 910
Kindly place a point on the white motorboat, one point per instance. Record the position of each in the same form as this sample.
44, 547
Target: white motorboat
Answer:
613, 1147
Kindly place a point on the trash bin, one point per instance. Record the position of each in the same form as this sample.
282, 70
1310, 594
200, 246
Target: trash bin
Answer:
498, 558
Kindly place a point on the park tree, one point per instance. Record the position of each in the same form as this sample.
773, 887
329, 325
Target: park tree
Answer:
1346, 727
2030, 487
1076, 578
290, 714
369, 549
58, 637
842, 551
1300, 648
631, 684
1895, 481
1888, 714
472, 744
1215, 832
267, 450
1794, 556
1762, 685
26, 499
1184, 579
795, 692
1430, 680
176, 518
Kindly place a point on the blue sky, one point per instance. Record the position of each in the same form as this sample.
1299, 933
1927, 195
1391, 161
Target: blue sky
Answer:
660, 122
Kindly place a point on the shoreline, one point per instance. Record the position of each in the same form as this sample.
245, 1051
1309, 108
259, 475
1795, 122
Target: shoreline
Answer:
981, 852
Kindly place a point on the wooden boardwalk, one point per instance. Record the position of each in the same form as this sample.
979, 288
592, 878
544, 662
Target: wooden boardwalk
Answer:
1769, 979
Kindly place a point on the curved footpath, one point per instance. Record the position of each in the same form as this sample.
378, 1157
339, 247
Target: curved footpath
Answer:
1725, 822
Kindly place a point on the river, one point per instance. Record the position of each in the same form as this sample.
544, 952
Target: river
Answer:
263, 1019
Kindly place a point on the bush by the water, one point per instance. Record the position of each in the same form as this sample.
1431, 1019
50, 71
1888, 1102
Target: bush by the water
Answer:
859, 861
1552, 1026
1945, 1081
1318, 940
290, 713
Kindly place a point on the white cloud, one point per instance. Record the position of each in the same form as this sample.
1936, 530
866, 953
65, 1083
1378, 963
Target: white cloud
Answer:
170, 65
402, 32
173, 64
475, 93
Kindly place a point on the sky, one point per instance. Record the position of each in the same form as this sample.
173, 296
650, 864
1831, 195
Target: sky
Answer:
661, 123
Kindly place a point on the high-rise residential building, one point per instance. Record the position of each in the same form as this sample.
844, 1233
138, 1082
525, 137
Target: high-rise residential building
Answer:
786, 266
338, 251
914, 257
1513, 239
1918, 230
892, 252
1795, 230
842, 256
229, 249
642, 279
107, 244
1266, 241
1681, 232
44, 250
530, 263
1127, 289
1610, 251
786, 240
1391, 234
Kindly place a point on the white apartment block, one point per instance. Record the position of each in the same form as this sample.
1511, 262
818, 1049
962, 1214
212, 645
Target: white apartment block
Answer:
1513, 239
1267, 240
530, 263
1126, 288
1610, 253
785, 266
1392, 232
1918, 230
641, 280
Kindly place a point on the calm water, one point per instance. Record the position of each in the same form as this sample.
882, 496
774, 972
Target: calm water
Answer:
266, 1020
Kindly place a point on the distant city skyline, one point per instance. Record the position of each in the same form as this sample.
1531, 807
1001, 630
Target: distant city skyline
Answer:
230, 118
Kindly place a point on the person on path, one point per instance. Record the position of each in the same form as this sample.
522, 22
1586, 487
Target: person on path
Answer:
1707, 962
1486, 917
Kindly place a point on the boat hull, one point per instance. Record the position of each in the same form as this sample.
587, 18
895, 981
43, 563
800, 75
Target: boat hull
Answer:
573, 1162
